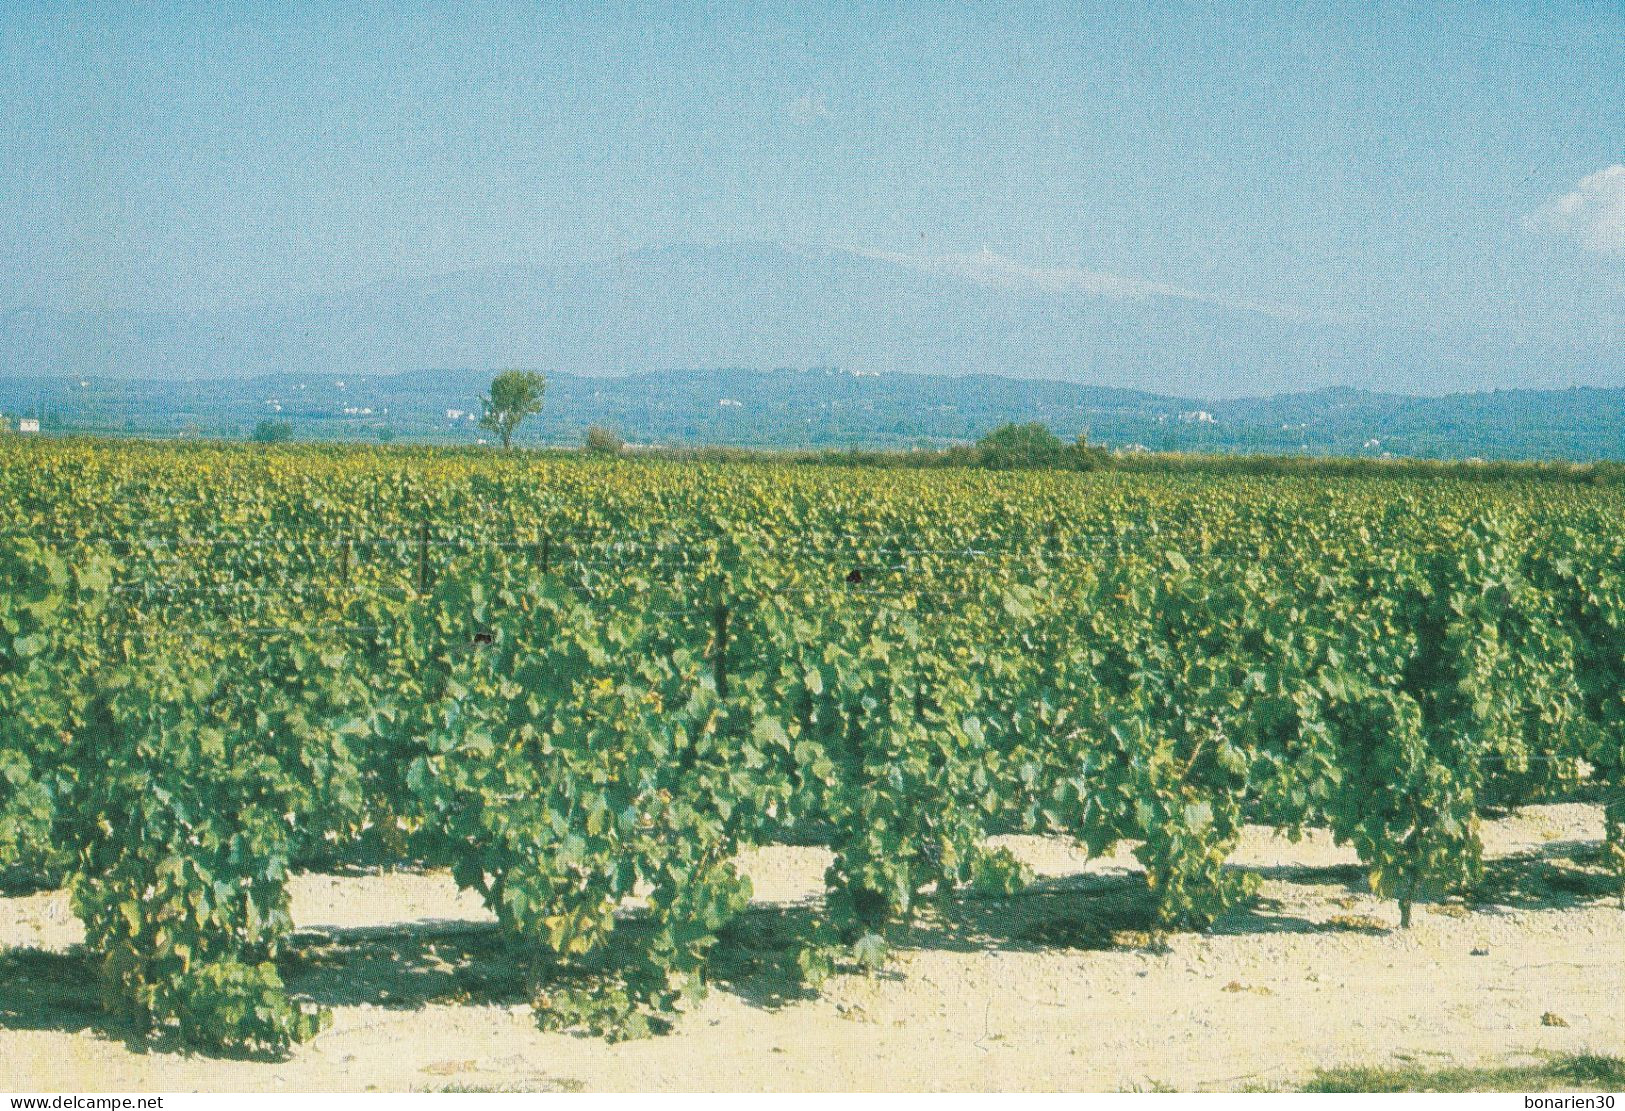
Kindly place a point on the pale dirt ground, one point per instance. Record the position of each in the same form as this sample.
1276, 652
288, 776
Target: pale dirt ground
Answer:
985, 995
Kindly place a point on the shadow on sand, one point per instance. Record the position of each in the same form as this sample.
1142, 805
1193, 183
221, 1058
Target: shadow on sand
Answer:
428, 962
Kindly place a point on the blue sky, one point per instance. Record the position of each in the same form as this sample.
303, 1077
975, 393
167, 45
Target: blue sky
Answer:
1453, 167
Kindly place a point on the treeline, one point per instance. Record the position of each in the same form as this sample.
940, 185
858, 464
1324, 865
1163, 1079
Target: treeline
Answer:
1035, 447
1012, 447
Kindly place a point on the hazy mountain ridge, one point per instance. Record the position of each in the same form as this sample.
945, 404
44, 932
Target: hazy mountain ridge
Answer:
831, 408
765, 305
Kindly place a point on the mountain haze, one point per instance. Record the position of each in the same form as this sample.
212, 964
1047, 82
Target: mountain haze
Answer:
769, 305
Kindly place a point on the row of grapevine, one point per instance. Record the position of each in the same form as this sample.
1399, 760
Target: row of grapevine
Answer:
581, 687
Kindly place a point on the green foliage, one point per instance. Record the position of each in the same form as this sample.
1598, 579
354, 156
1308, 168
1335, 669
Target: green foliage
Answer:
585, 689
602, 1010
515, 395
1019, 445
272, 432
604, 441
212, 760
1579, 1072
229, 1008
48, 614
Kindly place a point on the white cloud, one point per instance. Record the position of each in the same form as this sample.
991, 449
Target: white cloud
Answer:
1592, 213
809, 108
990, 269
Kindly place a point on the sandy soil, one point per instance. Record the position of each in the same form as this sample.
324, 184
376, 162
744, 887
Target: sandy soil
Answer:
1027, 993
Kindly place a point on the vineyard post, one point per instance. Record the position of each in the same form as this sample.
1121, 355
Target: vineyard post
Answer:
1613, 839
720, 663
423, 556
123, 549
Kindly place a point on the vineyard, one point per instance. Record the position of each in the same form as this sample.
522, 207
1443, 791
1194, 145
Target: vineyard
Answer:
584, 687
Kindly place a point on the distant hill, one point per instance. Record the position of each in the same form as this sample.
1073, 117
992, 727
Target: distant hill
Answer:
766, 305
822, 408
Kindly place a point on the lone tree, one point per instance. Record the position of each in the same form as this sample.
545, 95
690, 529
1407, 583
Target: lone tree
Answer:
273, 432
604, 441
515, 395
1010, 446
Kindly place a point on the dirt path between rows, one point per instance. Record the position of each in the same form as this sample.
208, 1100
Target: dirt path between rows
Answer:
1027, 993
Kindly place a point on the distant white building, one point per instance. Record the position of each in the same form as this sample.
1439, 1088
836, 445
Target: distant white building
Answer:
27, 424
454, 414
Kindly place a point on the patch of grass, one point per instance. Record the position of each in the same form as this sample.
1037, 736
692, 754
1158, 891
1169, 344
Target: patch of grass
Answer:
560, 1084
1448, 910
1236, 986
1356, 924
1583, 1072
